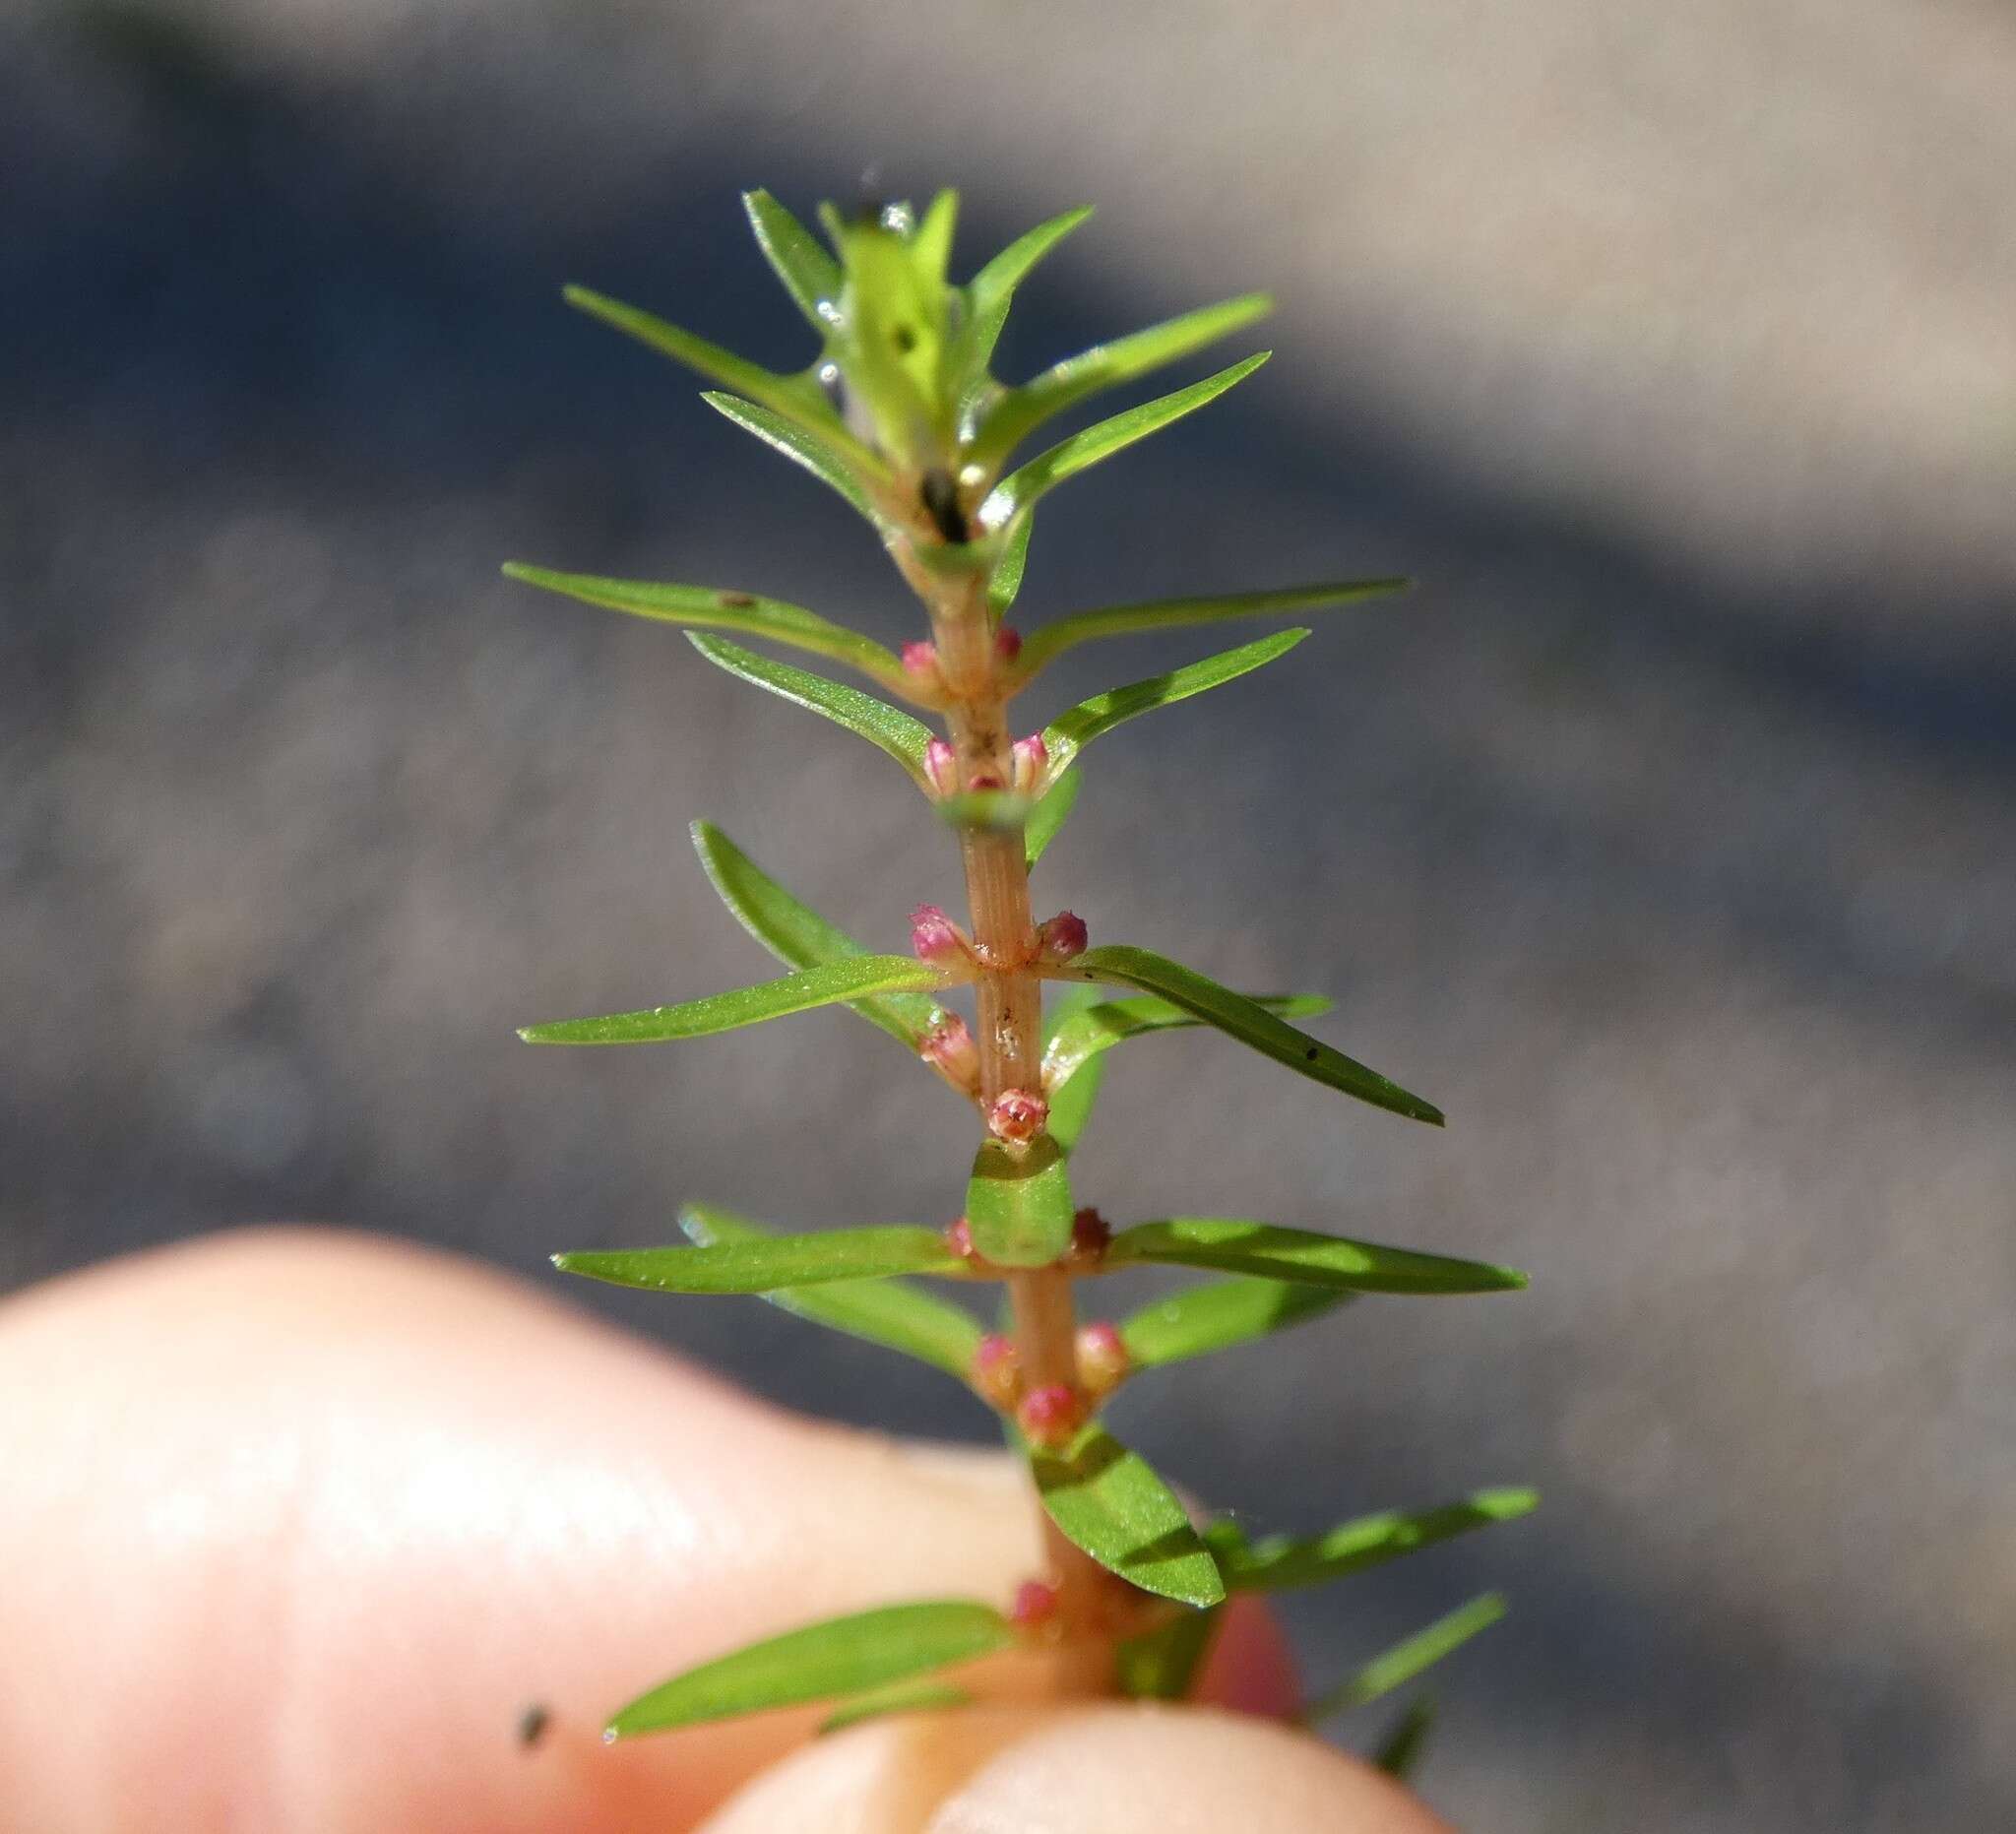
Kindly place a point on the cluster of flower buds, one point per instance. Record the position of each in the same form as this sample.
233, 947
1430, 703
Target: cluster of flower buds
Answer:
948, 1047
1103, 1359
1017, 1116
1029, 759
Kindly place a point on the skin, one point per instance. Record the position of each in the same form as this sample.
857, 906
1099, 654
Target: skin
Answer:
298, 1525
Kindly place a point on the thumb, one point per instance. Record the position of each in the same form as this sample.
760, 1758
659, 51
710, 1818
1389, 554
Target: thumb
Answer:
1115, 1770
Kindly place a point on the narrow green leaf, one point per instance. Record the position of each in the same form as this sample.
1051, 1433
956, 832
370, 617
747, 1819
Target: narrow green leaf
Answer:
1014, 495
1103, 1023
704, 608
1004, 582
1044, 646
1279, 1562
887, 728
1020, 411
833, 464
1051, 810
1018, 1203
800, 937
810, 273
764, 1263
797, 398
1071, 1106
896, 1313
830, 984
1161, 1664
1237, 1246
1251, 1024
841, 1656
898, 1697
1398, 1666
1069, 1003
1111, 1502
1399, 1753
931, 246
991, 291
1218, 1314
1070, 733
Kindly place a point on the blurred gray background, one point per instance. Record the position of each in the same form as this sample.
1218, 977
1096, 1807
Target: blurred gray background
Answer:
1664, 836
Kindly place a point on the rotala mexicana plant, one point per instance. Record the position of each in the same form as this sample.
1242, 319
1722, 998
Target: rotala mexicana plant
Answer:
900, 414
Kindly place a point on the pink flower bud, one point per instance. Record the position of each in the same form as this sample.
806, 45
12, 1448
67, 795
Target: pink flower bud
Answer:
948, 1047
1090, 1234
997, 1371
941, 767
1049, 1416
1035, 1604
1032, 755
1007, 643
959, 1238
1017, 1114
1103, 1359
1062, 937
921, 662
936, 937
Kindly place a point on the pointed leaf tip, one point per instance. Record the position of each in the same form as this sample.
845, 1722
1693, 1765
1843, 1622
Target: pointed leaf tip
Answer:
1071, 731
841, 1656
1236, 1245
1046, 644
832, 983
759, 1263
1021, 487
799, 936
1020, 410
1279, 1562
891, 730
894, 1312
1399, 1665
1123, 965
1113, 1504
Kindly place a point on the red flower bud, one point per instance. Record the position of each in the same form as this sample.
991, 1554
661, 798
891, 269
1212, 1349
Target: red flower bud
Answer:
936, 937
941, 768
1062, 937
1017, 1114
1049, 1416
1035, 1604
1103, 1359
1007, 643
1090, 1234
997, 1371
948, 1047
1032, 756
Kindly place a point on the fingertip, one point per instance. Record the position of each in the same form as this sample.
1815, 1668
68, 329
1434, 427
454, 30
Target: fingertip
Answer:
1118, 1768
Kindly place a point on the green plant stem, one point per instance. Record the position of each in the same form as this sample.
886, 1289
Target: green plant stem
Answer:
1008, 997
